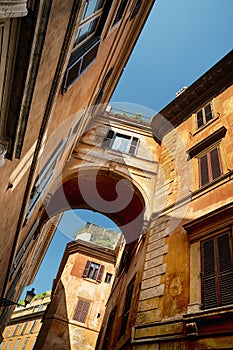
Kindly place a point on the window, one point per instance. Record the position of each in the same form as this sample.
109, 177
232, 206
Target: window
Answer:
24, 328
204, 115
87, 39
45, 177
210, 166
25, 246
16, 344
15, 330
120, 142
108, 277
93, 271
217, 271
136, 9
8, 344
128, 300
120, 11
81, 311
25, 343
33, 326
109, 329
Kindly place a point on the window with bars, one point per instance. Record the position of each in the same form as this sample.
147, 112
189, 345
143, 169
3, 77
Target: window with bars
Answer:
87, 39
15, 330
204, 115
120, 142
93, 271
128, 300
136, 9
217, 271
210, 166
16, 345
81, 311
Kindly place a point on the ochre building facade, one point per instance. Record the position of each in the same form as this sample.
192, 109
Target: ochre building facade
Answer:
59, 60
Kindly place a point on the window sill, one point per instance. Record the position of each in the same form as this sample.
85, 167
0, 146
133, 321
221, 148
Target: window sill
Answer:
206, 125
210, 313
212, 185
91, 280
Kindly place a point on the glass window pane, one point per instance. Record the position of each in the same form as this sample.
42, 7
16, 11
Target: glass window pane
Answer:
91, 7
200, 121
121, 143
208, 112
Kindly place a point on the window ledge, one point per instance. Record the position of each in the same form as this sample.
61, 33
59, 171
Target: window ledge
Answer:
206, 125
210, 313
91, 280
212, 185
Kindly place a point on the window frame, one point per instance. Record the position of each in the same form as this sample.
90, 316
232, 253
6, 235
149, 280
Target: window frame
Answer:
81, 310
84, 53
216, 275
132, 146
93, 271
127, 305
209, 168
204, 115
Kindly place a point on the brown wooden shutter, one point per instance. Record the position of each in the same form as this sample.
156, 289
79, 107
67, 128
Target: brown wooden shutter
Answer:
215, 163
209, 287
100, 273
203, 168
134, 145
136, 9
225, 268
85, 272
81, 311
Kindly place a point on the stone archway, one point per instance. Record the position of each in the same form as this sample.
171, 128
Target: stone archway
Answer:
107, 193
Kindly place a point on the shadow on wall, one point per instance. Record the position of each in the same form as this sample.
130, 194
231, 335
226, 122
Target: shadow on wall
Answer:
54, 333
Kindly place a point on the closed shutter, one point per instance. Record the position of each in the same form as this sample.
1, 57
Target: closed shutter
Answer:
217, 271
203, 165
134, 145
209, 288
215, 163
225, 268
100, 273
81, 311
85, 272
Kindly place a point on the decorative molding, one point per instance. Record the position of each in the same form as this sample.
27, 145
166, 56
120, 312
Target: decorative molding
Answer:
13, 8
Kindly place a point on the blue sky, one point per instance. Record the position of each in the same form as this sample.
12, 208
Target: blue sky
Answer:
181, 40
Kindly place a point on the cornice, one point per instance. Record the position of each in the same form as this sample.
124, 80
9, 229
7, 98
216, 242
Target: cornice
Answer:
13, 8
212, 83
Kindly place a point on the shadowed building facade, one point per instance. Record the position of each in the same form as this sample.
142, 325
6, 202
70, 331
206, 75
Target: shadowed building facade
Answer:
58, 60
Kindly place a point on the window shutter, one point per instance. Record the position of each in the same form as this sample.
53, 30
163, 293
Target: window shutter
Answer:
204, 175
85, 272
208, 112
134, 145
225, 268
100, 273
215, 163
200, 120
209, 291
81, 311
108, 139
